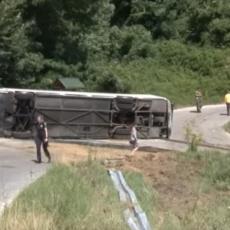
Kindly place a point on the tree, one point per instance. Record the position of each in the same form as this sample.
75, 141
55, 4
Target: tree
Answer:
13, 42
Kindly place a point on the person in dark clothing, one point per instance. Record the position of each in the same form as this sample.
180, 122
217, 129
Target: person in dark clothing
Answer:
41, 138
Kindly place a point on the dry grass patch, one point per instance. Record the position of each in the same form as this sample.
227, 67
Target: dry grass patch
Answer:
68, 197
74, 153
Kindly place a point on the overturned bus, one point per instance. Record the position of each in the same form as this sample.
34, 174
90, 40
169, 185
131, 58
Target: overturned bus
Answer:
84, 115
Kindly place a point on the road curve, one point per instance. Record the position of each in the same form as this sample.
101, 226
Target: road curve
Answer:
209, 124
17, 170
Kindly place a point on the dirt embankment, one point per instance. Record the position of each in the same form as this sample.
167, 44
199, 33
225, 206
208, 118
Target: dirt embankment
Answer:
175, 179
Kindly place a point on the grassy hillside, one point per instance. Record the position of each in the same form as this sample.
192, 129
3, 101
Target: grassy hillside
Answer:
177, 191
173, 70
67, 197
186, 191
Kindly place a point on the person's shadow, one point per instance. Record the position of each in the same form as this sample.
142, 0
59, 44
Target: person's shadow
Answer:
223, 114
194, 111
36, 161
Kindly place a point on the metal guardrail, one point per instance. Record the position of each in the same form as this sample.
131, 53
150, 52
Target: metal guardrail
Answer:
134, 215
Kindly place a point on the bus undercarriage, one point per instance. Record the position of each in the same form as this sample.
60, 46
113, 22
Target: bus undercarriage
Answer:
79, 115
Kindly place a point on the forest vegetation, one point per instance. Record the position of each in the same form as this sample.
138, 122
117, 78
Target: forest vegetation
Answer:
164, 47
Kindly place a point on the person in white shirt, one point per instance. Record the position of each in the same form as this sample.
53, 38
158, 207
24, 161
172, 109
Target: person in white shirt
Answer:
133, 139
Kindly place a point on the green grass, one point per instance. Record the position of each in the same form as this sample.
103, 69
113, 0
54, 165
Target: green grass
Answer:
214, 182
211, 209
150, 76
83, 197
174, 70
67, 198
144, 193
149, 201
215, 215
216, 168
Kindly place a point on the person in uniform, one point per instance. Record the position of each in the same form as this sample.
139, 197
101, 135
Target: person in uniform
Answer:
199, 100
227, 101
41, 138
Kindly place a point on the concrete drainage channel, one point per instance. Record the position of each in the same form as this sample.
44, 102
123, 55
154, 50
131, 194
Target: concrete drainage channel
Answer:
134, 215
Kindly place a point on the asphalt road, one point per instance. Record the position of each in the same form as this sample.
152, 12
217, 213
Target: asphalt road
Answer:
209, 124
17, 169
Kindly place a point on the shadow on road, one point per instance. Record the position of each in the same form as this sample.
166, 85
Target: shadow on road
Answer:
36, 161
193, 111
223, 114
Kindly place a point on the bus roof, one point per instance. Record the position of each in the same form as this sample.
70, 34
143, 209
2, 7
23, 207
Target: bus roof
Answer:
81, 94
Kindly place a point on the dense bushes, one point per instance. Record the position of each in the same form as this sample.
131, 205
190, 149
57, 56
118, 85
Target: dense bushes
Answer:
133, 46
174, 70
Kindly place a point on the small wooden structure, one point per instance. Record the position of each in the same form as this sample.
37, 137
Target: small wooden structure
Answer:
69, 83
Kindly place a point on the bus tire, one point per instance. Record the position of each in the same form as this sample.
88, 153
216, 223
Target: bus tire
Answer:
10, 108
9, 122
7, 133
9, 103
22, 135
1, 132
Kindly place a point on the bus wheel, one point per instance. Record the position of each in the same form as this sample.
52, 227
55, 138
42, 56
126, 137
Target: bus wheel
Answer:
22, 135
169, 132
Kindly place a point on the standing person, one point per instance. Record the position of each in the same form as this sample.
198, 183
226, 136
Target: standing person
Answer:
133, 139
198, 97
227, 101
41, 138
